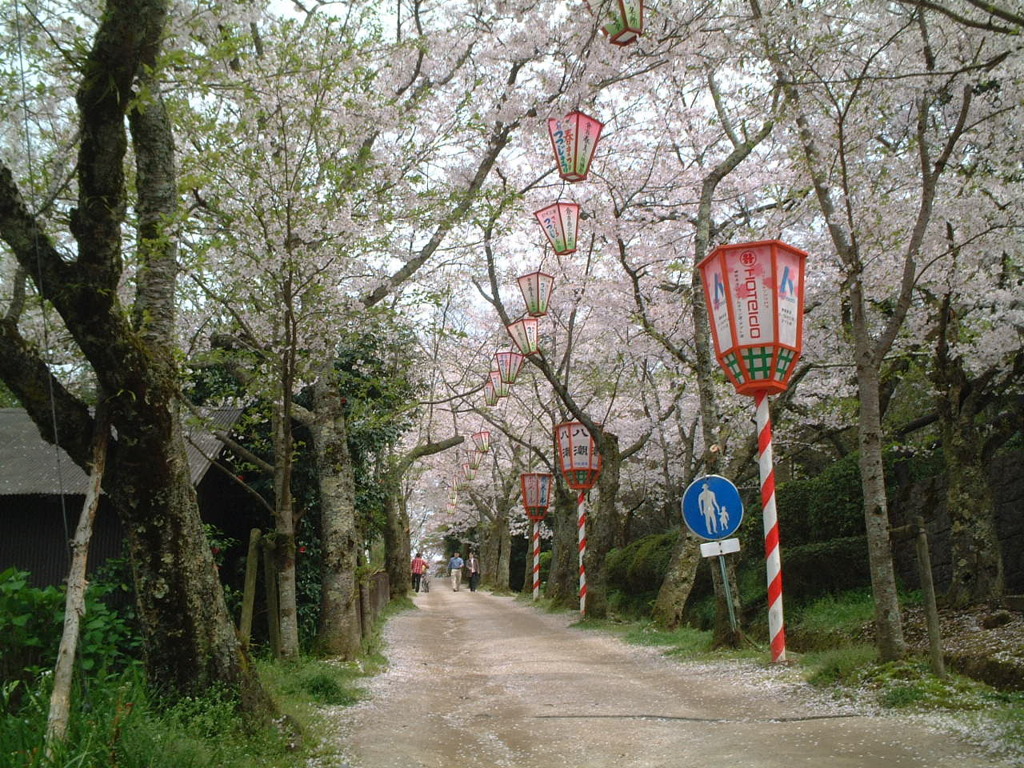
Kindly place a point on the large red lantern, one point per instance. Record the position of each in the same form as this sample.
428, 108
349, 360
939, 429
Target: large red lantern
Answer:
509, 365
536, 488
536, 288
625, 20
574, 139
524, 333
482, 441
578, 457
561, 225
581, 466
755, 299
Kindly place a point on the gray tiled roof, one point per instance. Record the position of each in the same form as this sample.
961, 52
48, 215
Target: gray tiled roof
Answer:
31, 466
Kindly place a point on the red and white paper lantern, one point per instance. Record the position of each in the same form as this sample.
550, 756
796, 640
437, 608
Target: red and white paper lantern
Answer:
561, 224
574, 140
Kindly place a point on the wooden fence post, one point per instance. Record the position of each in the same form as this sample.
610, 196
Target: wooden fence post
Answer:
273, 604
249, 594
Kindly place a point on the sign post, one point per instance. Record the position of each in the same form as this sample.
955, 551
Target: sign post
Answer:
713, 510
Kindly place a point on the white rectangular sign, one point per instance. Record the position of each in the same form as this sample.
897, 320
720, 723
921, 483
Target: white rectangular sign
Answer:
717, 548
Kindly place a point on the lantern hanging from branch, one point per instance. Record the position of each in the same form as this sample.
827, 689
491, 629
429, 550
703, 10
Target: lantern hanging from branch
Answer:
482, 441
536, 488
577, 455
574, 139
755, 296
561, 225
473, 458
625, 20
509, 365
490, 394
536, 288
502, 388
524, 333
468, 471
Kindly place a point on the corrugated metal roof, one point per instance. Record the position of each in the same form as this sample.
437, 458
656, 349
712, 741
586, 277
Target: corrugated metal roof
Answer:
31, 466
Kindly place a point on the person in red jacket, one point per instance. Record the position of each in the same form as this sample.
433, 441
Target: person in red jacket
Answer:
419, 565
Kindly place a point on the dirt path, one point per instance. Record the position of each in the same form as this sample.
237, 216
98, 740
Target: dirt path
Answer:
478, 681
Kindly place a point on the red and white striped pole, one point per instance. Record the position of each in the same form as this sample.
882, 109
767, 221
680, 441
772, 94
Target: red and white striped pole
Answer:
581, 524
536, 560
773, 562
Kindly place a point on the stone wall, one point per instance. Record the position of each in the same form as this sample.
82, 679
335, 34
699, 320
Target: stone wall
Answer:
928, 498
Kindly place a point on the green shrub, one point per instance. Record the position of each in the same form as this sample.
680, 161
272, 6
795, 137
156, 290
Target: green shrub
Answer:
634, 573
30, 625
826, 506
825, 568
32, 621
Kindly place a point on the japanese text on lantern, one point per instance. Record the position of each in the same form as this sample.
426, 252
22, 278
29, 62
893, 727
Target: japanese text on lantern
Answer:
751, 278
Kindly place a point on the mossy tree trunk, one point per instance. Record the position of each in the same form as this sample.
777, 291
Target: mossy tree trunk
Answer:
339, 633
189, 640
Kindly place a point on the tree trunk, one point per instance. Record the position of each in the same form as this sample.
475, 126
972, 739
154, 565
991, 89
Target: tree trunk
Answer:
189, 638
501, 577
490, 550
562, 585
284, 530
603, 527
339, 633
888, 620
675, 589
397, 543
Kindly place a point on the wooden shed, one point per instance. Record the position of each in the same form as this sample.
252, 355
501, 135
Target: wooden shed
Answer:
42, 492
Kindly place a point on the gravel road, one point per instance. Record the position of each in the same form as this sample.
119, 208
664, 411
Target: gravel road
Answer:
480, 681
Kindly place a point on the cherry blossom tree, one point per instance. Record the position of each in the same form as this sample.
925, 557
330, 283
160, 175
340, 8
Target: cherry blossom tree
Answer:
884, 125
116, 299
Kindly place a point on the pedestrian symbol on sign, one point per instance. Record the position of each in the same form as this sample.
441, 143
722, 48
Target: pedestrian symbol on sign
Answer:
712, 508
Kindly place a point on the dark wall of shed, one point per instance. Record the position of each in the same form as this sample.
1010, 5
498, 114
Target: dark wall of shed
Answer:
35, 535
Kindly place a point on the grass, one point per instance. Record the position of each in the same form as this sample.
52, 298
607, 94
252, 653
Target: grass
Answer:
116, 722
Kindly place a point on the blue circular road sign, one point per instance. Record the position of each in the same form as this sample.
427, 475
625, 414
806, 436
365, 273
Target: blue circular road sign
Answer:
712, 507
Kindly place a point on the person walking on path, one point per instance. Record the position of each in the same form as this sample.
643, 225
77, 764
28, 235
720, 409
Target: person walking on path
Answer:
473, 566
455, 571
419, 565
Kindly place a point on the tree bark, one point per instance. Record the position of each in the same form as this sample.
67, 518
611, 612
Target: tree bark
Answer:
603, 527
284, 529
562, 584
678, 583
339, 633
888, 619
